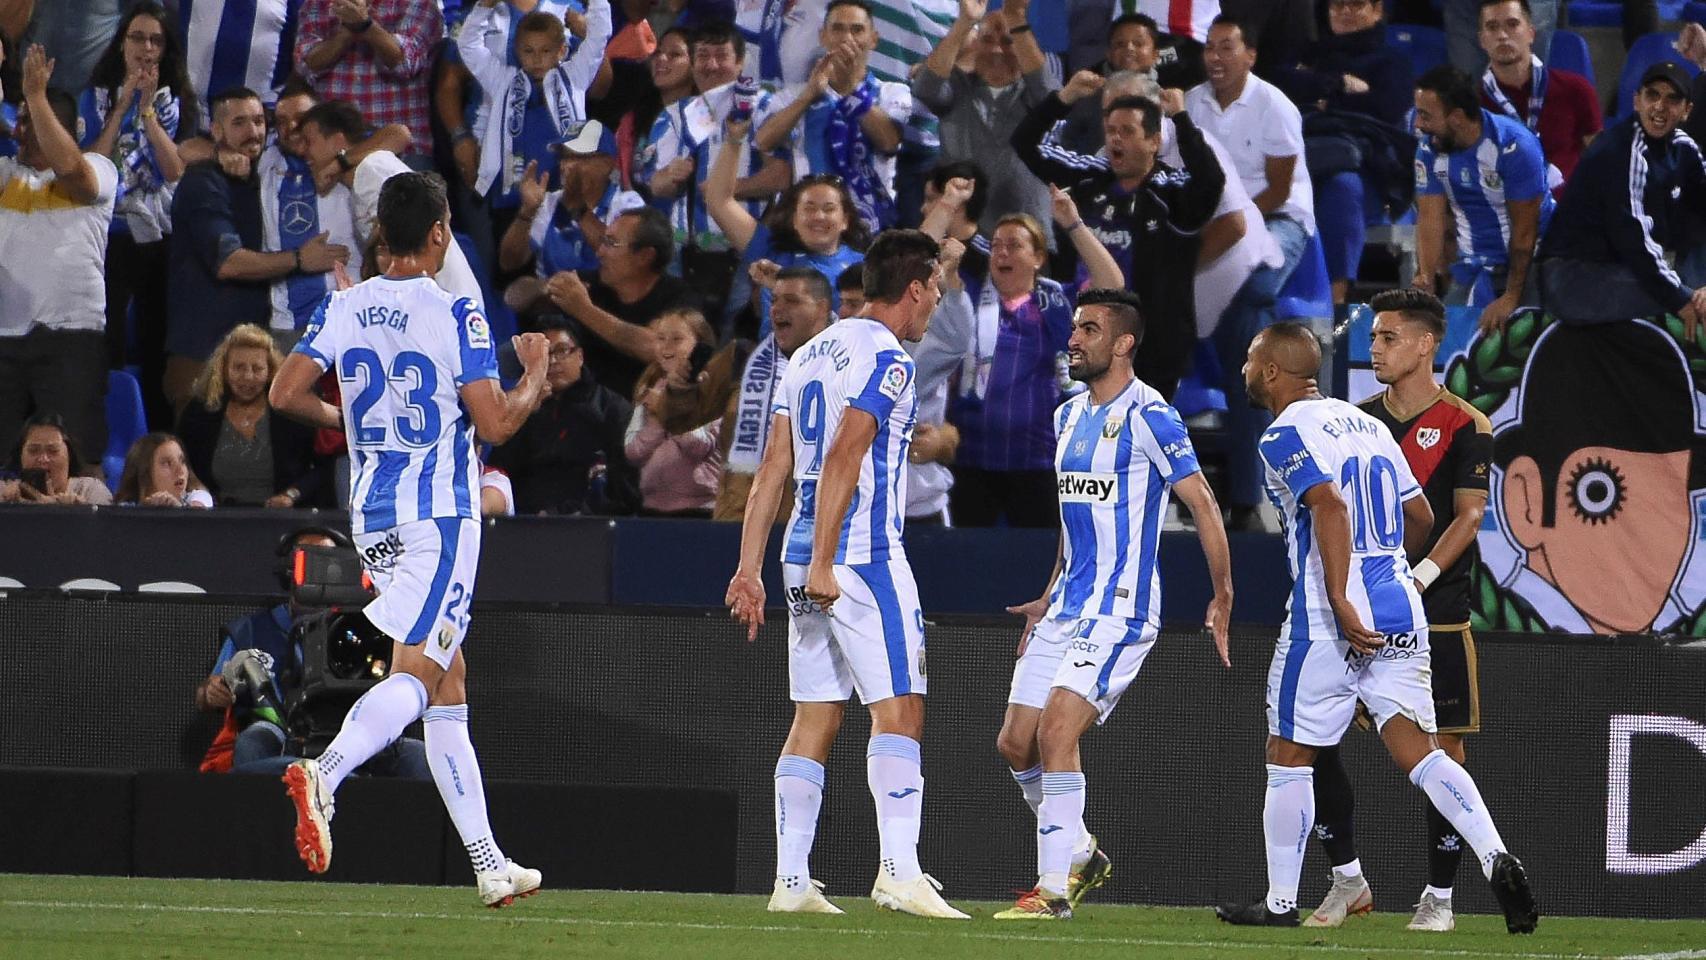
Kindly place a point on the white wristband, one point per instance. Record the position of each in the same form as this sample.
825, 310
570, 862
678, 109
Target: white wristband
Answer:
1426, 573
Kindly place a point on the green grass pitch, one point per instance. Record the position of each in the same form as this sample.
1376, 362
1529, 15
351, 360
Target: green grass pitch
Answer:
87, 918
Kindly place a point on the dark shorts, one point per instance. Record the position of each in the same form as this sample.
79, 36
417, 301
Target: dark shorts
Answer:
1456, 680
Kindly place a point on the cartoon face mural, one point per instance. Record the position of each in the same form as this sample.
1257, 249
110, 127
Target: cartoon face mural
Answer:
1598, 473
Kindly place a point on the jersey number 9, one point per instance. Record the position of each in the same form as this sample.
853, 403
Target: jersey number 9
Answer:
811, 423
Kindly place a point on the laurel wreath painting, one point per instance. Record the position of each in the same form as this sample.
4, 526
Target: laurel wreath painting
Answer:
1486, 375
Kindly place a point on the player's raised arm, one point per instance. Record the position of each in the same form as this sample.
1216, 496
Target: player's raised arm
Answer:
1333, 538
293, 395
834, 495
745, 596
1198, 498
497, 414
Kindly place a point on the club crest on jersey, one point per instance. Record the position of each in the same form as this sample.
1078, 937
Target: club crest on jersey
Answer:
1491, 180
894, 381
479, 332
1426, 437
1111, 429
446, 636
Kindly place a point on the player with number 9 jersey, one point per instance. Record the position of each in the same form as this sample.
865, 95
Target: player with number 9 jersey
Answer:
1312, 696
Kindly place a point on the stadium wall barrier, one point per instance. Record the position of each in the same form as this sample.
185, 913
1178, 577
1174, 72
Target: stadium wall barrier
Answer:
1592, 753
629, 561
171, 823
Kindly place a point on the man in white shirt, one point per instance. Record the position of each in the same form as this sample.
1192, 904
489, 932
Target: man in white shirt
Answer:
55, 205
1263, 133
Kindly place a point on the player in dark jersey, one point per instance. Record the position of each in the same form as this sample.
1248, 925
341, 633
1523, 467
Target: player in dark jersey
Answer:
1449, 446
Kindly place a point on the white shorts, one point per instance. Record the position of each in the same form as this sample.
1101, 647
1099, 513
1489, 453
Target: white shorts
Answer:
1094, 657
424, 572
872, 643
1314, 686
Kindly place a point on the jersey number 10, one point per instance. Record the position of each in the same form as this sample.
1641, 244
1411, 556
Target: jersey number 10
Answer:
1372, 496
415, 374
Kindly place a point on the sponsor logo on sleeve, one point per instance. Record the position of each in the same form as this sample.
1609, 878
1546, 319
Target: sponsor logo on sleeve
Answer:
894, 380
479, 332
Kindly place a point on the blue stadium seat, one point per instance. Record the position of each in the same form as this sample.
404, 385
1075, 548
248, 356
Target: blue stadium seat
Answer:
1199, 391
1570, 52
1308, 292
1341, 222
1650, 49
1693, 12
1425, 46
125, 422
1596, 13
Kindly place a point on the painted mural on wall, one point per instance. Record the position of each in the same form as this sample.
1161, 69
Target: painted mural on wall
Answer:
1597, 516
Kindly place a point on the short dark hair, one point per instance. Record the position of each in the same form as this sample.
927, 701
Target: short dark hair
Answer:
554, 321
1418, 305
943, 172
897, 259
852, 277
1295, 332
817, 283
1249, 34
337, 116
1149, 108
717, 33
653, 233
1527, 11
1143, 20
540, 22
297, 86
1455, 89
409, 204
227, 95
1124, 306
861, 4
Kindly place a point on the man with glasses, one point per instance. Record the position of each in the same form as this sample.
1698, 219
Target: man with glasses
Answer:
614, 306
551, 459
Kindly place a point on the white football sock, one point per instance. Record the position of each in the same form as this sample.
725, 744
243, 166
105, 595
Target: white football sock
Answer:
1060, 825
456, 771
371, 724
1031, 785
1349, 870
1453, 793
799, 795
896, 778
1287, 817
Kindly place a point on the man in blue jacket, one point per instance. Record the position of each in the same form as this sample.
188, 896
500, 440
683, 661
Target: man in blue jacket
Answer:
1604, 257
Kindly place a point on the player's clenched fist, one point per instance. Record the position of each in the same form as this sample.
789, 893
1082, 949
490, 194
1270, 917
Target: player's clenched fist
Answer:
821, 587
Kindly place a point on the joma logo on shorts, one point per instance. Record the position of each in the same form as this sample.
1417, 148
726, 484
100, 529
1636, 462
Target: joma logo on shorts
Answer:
1085, 487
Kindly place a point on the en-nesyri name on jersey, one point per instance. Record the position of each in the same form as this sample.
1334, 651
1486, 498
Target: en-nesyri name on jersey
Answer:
402, 350
1113, 465
1330, 441
857, 364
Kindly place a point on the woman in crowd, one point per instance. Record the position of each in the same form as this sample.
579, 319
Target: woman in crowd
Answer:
48, 468
1012, 378
157, 474
138, 105
675, 451
671, 77
246, 454
814, 224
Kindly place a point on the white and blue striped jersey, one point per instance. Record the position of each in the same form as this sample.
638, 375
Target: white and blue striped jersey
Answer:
855, 363
247, 44
1113, 464
402, 349
1331, 441
1506, 164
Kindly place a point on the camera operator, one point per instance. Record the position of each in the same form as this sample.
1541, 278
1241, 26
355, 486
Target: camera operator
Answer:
257, 669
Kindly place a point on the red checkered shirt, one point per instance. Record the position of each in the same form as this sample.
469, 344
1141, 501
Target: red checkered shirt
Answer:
385, 95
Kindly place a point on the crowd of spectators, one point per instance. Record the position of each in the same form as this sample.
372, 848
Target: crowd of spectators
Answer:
678, 195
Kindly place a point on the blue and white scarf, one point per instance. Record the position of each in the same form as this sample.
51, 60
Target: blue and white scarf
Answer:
137, 166
836, 144
760, 24
1536, 94
764, 369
